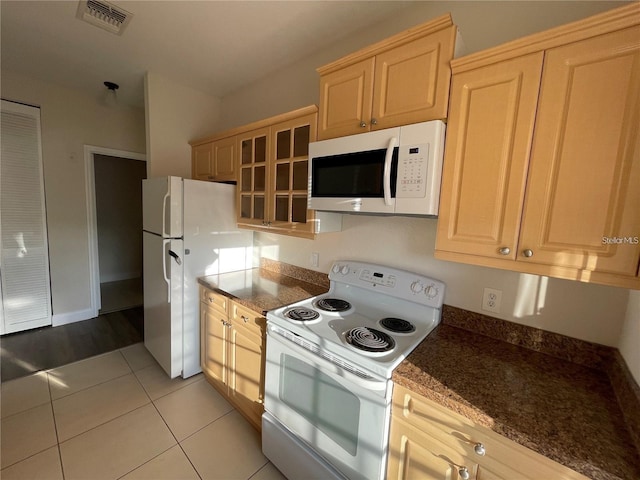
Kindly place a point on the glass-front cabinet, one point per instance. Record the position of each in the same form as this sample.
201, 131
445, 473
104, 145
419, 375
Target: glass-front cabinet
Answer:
273, 164
253, 150
289, 171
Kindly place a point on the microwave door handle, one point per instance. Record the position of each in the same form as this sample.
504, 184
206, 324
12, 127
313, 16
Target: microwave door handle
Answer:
386, 180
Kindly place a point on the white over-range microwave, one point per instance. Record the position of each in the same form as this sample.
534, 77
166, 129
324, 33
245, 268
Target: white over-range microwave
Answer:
394, 171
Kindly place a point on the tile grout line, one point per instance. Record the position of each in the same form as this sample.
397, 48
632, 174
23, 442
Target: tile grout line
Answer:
55, 426
153, 402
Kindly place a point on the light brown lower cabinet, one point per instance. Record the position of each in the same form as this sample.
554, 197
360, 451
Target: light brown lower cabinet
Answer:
232, 353
430, 442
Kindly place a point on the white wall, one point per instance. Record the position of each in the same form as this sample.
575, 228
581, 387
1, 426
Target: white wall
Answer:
482, 24
175, 115
630, 338
70, 120
600, 314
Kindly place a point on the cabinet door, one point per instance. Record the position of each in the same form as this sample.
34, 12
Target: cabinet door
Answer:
214, 340
289, 173
224, 159
584, 180
201, 162
411, 82
489, 137
252, 191
246, 372
415, 455
345, 100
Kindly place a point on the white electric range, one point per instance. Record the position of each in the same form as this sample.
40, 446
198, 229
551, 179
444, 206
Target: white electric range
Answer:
329, 364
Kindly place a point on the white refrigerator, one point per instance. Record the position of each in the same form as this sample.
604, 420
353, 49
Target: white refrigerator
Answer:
189, 230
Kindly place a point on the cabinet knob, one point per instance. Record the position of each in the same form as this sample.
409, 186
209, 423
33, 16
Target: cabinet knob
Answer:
246, 319
363, 124
528, 253
463, 473
479, 449
504, 251
374, 121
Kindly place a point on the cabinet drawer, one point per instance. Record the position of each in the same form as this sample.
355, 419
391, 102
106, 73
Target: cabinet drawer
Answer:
215, 300
243, 317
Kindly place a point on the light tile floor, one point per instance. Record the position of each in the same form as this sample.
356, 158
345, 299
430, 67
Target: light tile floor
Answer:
119, 416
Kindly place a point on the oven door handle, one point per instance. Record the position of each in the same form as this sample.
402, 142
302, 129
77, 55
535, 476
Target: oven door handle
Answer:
386, 179
373, 384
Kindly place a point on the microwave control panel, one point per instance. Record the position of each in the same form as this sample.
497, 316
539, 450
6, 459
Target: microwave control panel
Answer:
413, 163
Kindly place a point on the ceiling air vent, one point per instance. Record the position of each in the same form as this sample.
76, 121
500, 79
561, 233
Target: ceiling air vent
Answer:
104, 15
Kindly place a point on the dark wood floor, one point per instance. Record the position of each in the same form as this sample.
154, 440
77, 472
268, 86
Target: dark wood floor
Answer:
27, 352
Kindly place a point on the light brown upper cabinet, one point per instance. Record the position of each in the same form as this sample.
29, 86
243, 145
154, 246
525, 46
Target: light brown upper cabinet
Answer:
269, 161
202, 161
215, 160
401, 80
542, 161
273, 169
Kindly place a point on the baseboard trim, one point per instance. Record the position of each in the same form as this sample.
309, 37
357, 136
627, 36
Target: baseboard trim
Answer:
72, 317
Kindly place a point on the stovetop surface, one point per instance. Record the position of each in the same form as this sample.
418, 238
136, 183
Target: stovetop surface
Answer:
398, 294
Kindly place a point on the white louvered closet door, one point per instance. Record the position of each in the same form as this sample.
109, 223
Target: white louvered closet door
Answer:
24, 255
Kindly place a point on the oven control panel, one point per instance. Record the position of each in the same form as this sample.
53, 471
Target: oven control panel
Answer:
390, 281
376, 277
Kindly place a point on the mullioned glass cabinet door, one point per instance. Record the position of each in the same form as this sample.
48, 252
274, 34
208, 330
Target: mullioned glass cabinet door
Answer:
252, 182
289, 172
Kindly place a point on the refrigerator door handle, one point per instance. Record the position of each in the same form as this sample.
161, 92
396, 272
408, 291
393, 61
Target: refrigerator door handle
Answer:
175, 256
166, 197
164, 269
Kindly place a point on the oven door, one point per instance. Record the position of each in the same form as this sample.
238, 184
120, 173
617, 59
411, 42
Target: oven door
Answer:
340, 415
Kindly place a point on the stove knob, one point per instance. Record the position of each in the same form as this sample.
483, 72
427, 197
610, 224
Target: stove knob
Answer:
344, 270
417, 286
336, 268
431, 291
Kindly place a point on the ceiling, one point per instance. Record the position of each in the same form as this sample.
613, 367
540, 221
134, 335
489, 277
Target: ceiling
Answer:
212, 46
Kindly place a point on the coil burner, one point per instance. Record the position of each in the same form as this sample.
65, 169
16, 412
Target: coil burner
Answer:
370, 339
398, 325
301, 314
333, 304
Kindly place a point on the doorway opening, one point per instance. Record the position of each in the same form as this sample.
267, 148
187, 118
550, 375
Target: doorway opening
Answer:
114, 193
118, 189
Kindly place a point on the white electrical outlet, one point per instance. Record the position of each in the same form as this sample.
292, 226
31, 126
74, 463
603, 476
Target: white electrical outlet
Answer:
315, 259
491, 300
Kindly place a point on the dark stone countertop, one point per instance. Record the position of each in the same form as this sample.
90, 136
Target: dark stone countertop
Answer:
262, 289
560, 409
